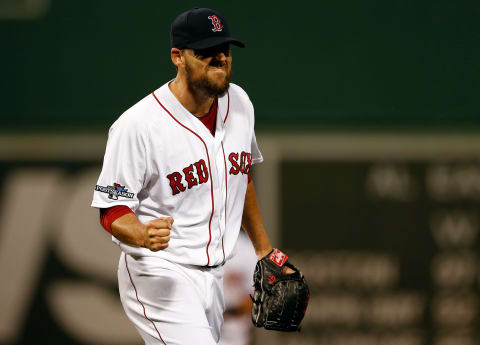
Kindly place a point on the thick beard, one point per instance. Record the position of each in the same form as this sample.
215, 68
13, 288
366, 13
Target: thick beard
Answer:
203, 85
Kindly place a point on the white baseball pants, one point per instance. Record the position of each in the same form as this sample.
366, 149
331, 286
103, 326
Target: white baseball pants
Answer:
172, 304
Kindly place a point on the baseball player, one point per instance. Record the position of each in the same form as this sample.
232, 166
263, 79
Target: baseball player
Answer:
175, 187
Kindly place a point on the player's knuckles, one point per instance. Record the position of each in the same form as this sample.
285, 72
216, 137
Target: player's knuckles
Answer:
154, 246
153, 229
159, 232
167, 219
156, 238
161, 223
148, 243
165, 239
162, 245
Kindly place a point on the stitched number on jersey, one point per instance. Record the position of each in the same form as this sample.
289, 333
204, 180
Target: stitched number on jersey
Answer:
193, 175
216, 22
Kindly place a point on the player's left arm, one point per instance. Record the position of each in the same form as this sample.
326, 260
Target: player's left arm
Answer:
282, 308
253, 225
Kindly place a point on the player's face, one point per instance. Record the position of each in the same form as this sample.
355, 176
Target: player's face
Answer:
209, 70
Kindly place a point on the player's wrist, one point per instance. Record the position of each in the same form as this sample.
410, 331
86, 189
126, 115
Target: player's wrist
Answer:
261, 253
142, 235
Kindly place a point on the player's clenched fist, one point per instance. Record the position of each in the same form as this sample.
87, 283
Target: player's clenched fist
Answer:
157, 233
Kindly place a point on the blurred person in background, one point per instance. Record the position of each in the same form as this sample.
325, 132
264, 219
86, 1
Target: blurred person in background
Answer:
238, 286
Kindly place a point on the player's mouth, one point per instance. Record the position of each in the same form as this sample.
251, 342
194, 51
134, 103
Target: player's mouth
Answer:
217, 65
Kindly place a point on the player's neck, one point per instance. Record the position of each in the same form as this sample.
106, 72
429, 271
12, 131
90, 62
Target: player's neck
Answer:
196, 103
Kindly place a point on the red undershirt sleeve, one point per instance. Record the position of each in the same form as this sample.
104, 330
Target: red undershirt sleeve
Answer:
109, 215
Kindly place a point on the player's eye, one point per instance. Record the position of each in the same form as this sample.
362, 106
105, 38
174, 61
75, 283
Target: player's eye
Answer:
199, 53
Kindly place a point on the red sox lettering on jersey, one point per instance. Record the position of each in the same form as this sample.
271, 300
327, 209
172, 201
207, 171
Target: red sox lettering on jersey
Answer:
197, 173
201, 176
243, 166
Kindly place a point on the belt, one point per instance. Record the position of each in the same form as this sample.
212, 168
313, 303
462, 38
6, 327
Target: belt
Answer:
212, 266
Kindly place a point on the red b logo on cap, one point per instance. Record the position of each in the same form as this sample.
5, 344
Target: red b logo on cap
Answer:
216, 22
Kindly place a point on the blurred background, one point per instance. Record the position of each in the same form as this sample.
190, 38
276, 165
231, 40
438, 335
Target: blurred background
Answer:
367, 114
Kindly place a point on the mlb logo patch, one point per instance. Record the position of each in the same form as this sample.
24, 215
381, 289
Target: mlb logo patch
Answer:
278, 257
114, 191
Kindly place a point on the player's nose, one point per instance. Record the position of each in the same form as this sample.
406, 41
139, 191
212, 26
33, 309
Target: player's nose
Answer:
221, 56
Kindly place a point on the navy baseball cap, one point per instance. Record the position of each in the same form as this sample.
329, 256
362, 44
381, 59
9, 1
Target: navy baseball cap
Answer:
201, 28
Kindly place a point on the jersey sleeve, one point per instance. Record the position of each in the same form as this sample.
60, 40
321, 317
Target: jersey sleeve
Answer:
256, 154
124, 167
239, 92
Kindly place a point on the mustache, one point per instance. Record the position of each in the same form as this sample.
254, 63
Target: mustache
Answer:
217, 63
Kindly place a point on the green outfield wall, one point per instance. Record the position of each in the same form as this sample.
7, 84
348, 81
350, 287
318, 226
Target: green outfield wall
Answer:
343, 64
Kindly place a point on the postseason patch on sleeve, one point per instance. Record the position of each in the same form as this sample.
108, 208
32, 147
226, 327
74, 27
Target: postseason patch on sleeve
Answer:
278, 257
115, 191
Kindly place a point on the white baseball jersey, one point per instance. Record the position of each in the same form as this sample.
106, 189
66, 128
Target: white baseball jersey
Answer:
161, 161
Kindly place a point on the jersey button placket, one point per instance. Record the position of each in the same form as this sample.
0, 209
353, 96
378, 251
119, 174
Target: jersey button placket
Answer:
215, 230
221, 160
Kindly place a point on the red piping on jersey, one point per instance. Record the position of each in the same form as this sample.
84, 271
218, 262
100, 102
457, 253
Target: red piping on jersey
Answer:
143, 306
228, 106
226, 185
226, 195
209, 170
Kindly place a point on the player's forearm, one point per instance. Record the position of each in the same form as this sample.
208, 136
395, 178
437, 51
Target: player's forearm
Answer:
253, 225
129, 230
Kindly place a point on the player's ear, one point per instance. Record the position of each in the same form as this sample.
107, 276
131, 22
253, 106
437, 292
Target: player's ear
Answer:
177, 57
